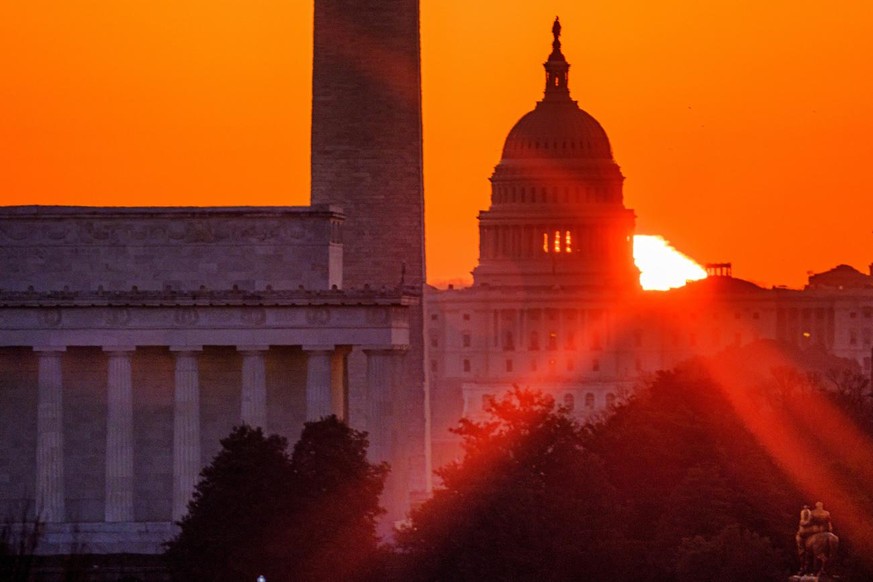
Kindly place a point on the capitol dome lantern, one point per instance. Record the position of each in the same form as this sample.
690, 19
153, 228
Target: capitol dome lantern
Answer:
557, 214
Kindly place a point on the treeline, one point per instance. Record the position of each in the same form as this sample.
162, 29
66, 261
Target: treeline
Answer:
698, 477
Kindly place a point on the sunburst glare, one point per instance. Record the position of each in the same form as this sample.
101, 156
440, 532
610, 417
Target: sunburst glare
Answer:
661, 266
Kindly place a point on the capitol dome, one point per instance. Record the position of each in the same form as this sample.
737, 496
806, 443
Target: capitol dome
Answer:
557, 214
557, 129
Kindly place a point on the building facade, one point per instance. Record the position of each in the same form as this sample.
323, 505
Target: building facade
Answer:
555, 302
132, 340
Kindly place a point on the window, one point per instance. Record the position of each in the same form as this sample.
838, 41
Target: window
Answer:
508, 341
853, 338
568, 242
433, 366
570, 341
509, 365
466, 365
434, 342
589, 400
569, 402
466, 340
571, 365
756, 315
610, 399
486, 401
552, 366
534, 341
433, 316
595, 341
533, 365
466, 317
553, 341
595, 365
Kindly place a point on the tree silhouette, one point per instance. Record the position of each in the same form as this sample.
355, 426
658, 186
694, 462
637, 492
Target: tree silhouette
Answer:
232, 515
329, 526
257, 512
527, 502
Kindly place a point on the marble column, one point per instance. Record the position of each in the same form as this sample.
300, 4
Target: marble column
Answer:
119, 436
318, 381
380, 388
339, 393
254, 386
186, 429
50, 437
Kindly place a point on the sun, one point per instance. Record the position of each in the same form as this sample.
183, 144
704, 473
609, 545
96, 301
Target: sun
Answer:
661, 266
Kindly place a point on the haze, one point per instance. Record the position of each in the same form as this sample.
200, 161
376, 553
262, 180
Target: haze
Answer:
742, 127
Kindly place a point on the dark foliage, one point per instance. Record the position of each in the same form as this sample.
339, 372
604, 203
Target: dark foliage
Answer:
686, 466
257, 511
694, 479
232, 515
329, 526
733, 554
18, 541
527, 502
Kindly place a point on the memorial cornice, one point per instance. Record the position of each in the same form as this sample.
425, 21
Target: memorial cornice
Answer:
220, 298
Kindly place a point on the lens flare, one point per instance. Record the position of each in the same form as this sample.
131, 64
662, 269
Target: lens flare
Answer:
661, 266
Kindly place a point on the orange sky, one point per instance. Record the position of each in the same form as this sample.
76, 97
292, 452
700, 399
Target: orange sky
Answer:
743, 127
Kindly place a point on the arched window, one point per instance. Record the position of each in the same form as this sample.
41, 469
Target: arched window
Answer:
589, 400
569, 402
610, 399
